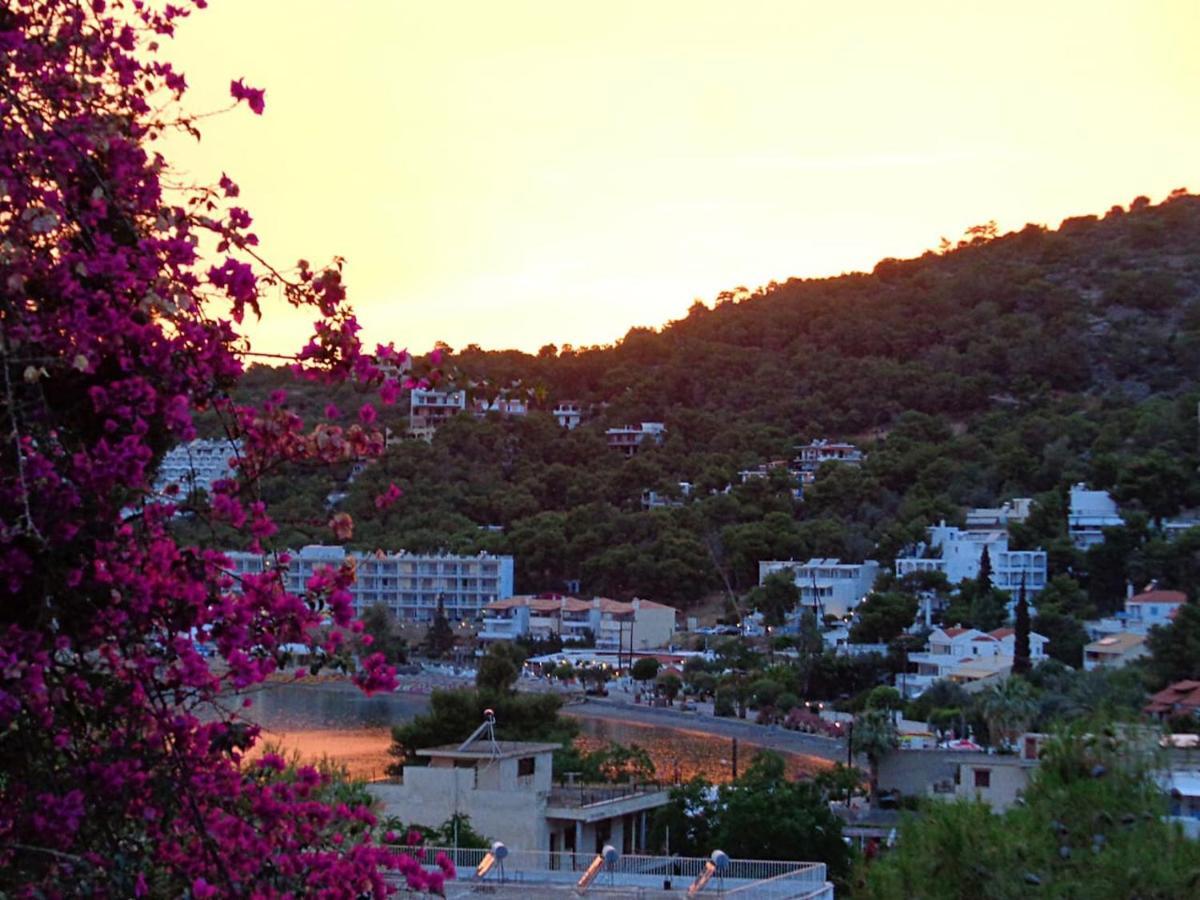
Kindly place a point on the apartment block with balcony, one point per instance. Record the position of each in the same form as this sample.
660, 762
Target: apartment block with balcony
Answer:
961, 553
408, 584
827, 586
427, 409
628, 439
638, 625
196, 465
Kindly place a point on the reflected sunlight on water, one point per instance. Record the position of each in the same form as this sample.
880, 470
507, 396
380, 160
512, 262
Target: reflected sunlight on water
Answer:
337, 722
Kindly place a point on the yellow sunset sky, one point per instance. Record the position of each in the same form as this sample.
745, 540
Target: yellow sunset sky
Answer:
513, 174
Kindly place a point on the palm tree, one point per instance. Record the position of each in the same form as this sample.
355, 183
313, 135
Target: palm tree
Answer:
874, 735
1009, 707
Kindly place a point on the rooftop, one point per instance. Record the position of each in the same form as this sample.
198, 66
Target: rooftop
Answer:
487, 750
1116, 643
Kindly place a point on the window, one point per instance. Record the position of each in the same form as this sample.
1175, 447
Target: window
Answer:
983, 778
526, 766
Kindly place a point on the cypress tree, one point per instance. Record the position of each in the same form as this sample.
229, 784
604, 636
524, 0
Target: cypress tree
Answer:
984, 580
1021, 661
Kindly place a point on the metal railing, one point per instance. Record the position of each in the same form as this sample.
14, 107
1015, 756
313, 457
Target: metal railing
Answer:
542, 865
589, 794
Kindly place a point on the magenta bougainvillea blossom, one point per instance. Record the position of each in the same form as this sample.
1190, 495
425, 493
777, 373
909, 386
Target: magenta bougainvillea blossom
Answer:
120, 776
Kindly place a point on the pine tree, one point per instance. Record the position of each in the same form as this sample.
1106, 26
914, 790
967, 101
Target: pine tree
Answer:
1021, 661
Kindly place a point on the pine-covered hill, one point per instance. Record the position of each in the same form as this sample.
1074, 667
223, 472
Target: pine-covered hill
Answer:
1100, 306
1008, 366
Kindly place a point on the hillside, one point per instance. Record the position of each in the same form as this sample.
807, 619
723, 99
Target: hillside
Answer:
1007, 366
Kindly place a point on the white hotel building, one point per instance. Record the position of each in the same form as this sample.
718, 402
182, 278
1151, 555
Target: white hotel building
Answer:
961, 553
408, 584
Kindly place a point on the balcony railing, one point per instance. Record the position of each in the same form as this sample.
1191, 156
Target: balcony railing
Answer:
804, 879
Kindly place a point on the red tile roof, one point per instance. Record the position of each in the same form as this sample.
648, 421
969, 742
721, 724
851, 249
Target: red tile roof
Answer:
1181, 697
1159, 597
1001, 633
955, 631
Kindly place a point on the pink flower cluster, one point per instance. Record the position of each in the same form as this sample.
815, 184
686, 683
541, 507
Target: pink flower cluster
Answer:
122, 774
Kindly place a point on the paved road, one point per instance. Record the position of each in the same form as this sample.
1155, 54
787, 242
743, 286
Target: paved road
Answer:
833, 749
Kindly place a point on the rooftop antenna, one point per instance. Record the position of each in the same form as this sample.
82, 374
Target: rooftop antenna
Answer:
489, 728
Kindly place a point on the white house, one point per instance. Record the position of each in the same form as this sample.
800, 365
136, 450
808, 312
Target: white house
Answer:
1142, 612
427, 409
967, 655
827, 586
629, 438
1089, 514
568, 414
408, 584
961, 553
810, 457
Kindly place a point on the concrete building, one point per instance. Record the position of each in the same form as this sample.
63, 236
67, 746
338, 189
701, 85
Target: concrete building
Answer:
408, 584
827, 586
961, 552
966, 656
1114, 651
507, 789
196, 465
637, 625
997, 780
1090, 512
568, 414
427, 409
629, 438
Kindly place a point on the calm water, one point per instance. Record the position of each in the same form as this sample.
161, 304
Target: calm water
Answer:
337, 721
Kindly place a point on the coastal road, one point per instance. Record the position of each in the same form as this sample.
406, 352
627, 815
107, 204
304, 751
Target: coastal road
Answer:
831, 749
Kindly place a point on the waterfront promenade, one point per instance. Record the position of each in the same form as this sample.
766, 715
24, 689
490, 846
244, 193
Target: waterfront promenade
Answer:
616, 707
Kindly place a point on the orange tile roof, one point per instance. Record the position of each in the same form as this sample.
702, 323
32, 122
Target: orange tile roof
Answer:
1001, 633
1159, 596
